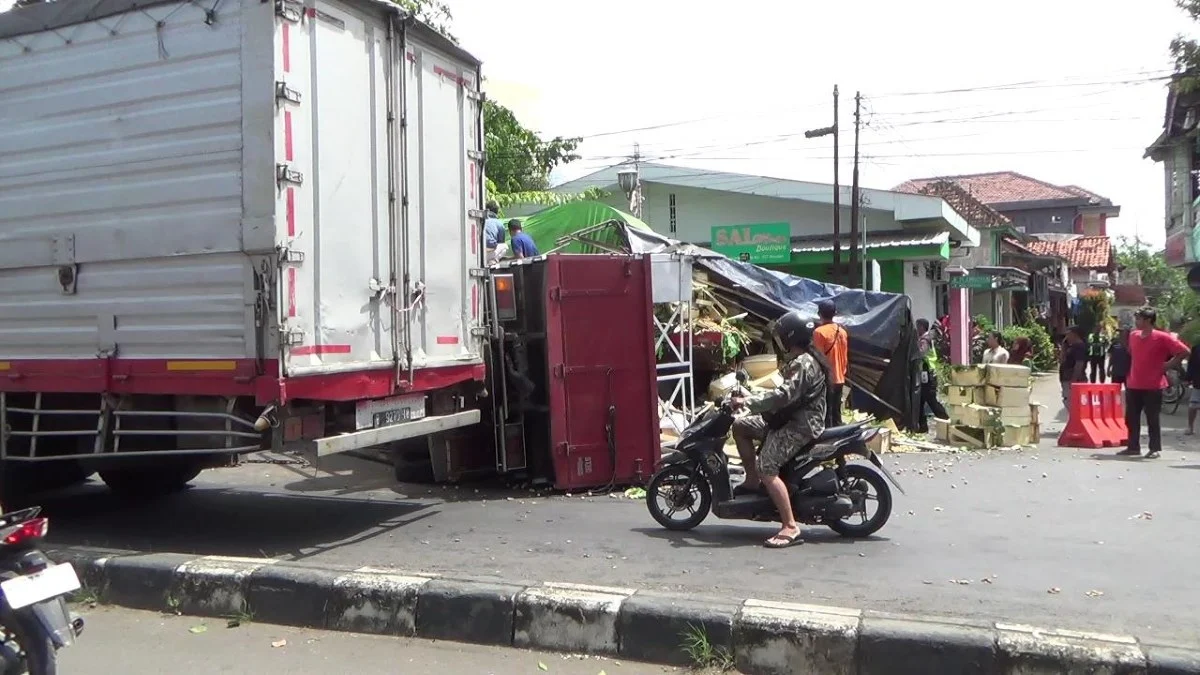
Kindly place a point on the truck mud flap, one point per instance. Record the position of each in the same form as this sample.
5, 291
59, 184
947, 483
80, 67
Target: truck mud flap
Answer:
332, 445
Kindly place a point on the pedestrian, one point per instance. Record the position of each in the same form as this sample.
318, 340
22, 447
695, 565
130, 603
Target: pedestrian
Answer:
1193, 376
1118, 358
1072, 361
1022, 351
1097, 348
832, 340
522, 244
995, 351
1151, 353
929, 382
493, 232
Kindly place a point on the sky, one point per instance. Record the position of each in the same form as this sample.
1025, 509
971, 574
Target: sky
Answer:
733, 87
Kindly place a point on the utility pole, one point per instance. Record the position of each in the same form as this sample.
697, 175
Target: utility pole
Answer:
854, 199
837, 190
630, 181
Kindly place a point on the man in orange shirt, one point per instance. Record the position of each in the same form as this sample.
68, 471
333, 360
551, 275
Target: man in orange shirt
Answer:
831, 339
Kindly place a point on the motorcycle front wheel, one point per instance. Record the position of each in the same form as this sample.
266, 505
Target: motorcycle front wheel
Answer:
679, 497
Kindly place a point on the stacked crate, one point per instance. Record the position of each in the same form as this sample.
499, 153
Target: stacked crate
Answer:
989, 407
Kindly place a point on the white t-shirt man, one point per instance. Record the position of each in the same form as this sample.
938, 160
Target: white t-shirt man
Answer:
995, 355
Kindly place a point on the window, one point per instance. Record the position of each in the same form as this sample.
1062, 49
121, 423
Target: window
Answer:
671, 208
1056, 219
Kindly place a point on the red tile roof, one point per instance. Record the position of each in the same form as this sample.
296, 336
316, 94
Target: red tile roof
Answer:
1003, 187
974, 211
1088, 252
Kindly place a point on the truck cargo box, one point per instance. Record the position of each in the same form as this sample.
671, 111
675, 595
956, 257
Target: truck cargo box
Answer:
237, 198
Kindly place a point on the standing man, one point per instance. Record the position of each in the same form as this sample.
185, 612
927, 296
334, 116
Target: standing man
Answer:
995, 352
522, 244
929, 383
1193, 376
1118, 358
1151, 352
1072, 362
1097, 348
832, 340
493, 232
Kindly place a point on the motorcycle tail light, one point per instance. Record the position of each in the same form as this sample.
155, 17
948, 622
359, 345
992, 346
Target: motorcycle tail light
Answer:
27, 531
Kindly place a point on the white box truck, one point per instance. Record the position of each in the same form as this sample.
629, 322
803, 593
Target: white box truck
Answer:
232, 225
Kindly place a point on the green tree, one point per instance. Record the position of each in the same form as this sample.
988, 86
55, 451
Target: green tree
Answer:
1186, 51
1166, 287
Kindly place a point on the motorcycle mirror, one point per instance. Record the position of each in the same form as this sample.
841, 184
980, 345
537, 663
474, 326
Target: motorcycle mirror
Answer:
742, 376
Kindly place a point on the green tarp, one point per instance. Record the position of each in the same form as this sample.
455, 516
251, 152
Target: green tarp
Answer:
547, 226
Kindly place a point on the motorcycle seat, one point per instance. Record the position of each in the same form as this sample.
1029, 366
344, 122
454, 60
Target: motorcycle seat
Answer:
832, 433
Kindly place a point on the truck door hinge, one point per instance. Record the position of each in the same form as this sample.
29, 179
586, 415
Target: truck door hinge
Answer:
476, 95
379, 288
289, 255
286, 174
477, 214
291, 336
479, 332
292, 11
477, 155
285, 93
478, 272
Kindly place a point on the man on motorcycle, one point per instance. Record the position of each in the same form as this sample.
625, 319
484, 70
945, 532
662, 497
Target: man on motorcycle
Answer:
784, 419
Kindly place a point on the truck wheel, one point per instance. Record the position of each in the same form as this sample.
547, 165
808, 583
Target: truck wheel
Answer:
411, 463
150, 481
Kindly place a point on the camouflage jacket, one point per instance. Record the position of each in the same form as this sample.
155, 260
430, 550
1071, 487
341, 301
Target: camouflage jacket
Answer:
802, 378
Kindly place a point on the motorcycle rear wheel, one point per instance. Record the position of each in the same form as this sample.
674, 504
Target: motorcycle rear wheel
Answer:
38, 650
883, 498
668, 485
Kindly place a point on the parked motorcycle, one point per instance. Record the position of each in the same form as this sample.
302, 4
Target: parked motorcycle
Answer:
34, 620
825, 488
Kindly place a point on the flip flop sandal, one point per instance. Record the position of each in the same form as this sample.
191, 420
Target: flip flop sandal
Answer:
787, 541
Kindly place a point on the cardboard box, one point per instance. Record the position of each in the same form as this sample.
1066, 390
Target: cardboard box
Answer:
966, 376
961, 395
1005, 375
1005, 397
1018, 415
974, 415
1010, 435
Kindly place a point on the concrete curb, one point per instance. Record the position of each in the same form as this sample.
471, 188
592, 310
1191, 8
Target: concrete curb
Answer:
758, 636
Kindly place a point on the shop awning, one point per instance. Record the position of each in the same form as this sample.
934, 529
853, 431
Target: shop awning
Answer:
882, 246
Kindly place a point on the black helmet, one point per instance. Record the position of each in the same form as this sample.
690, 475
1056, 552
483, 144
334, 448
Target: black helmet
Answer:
790, 331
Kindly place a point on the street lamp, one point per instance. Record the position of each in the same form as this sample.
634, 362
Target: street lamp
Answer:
631, 185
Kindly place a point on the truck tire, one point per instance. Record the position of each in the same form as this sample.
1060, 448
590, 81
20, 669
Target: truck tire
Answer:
411, 463
150, 481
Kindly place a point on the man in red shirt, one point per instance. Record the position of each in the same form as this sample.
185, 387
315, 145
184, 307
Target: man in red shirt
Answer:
1151, 352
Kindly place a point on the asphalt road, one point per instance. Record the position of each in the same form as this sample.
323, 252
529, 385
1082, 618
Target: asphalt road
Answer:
1055, 537
145, 643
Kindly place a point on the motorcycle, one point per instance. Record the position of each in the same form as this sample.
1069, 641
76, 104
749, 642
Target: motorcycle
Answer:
34, 619
825, 489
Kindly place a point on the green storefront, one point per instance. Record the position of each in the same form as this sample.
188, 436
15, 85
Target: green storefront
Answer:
812, 257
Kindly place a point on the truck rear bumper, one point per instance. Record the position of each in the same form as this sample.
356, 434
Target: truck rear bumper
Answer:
331, 445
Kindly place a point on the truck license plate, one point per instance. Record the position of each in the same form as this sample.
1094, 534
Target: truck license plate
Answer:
29, 590
389, 411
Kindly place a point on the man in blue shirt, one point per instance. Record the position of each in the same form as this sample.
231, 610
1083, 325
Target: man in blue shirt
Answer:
522, 244
493, 229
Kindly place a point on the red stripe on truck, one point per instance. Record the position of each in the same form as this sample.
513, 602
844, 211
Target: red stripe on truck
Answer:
249, 378
291, 212
316, 350
447, 339
287, 135
291, 292
287, 47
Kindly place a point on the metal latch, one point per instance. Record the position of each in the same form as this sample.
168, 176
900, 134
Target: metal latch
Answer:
286, 93
292, 11
477, 214
478, 272
477, 155
286, 174
479, 332
475, 95
291, 336
379, 288
289, 255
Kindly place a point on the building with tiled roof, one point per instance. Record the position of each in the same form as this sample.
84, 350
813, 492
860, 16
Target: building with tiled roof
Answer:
1082, 253
1034, 206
